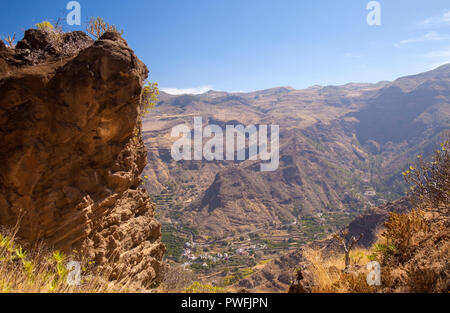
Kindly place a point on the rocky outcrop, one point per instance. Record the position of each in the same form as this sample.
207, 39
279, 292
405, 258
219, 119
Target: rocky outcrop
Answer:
71, 154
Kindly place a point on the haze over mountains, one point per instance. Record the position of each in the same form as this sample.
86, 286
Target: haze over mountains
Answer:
342, 149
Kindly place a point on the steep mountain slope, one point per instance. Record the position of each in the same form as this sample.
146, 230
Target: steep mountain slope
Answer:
341, 150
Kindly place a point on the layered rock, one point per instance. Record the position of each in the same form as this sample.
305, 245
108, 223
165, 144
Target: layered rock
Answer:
71, 153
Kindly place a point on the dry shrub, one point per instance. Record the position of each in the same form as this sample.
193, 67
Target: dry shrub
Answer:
422, 266
329, 275
388, 280
430, 181
326, 272
354, 283
97, 26
347, 245
421, 280
54, 34
10, 40
400, 230
175, 278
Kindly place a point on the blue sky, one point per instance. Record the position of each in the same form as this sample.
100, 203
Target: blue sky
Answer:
245, 45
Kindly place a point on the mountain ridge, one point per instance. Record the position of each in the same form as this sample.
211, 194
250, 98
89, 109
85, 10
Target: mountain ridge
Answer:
443, 68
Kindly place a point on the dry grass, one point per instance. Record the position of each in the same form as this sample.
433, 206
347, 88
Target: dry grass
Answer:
40, 270
329, 273
198, 287
175, 278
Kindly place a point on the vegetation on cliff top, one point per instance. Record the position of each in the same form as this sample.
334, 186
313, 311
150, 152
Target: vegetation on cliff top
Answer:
97, 26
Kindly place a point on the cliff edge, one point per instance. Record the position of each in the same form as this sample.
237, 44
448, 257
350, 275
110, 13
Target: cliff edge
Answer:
71, 154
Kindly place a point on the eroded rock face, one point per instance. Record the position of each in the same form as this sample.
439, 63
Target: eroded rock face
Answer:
70, 157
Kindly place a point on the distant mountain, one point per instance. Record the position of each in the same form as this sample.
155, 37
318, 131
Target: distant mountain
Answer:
407, 108
341, 151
